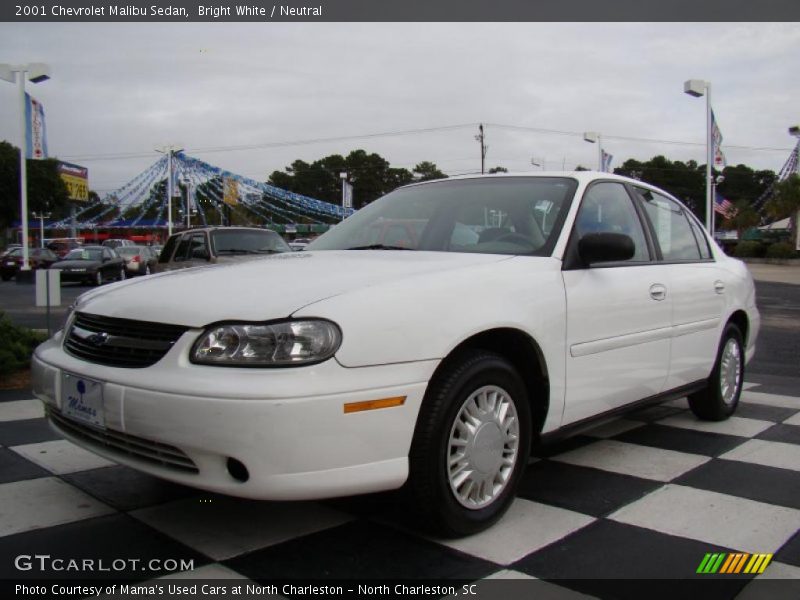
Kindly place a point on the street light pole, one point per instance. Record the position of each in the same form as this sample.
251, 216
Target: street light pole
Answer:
41, 217
592, 137
169, 151
697, 88
36, 72
794, 131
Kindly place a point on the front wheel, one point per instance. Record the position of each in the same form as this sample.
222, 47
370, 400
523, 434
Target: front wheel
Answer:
98, 279
470, 445
122, 274
719, 399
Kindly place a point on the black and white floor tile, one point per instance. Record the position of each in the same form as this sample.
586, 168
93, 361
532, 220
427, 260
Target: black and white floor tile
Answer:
642, 498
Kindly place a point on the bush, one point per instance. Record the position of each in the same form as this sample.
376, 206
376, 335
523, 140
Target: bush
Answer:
749, 250
16, 346
781, 250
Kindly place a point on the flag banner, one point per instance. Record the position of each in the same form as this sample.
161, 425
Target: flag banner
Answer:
35, 131
348, 195
607, 158
230, 195
716, 138
724, 207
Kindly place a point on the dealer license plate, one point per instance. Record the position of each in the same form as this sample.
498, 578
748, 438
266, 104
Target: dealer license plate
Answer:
82, 399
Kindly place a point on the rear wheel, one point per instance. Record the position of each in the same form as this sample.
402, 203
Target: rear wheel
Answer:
471, 444
719, 399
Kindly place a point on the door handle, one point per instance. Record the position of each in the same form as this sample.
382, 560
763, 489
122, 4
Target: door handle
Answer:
719, 286
658, 292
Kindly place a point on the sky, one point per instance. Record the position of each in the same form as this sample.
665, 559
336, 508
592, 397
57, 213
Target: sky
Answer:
120, 90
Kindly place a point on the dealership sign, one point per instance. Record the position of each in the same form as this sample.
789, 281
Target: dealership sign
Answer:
77, 180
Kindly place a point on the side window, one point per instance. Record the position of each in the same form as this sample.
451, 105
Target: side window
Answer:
702, 241
198, 247
671, 224
107, 255
166, 252
183, 249
607, 208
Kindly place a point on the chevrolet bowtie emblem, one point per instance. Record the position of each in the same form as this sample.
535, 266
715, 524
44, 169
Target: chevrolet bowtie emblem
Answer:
98, 339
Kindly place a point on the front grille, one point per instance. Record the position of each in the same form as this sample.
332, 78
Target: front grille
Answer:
120, 342
122, 443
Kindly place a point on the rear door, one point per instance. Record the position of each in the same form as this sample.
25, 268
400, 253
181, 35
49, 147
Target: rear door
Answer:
618, 314
698, 287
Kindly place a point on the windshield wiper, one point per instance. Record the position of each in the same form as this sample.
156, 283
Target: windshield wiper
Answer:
379, 247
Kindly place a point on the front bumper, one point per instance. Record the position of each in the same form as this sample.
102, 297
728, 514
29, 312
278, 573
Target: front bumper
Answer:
286, 426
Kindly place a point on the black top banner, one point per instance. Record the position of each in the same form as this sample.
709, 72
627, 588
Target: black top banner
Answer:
400, 10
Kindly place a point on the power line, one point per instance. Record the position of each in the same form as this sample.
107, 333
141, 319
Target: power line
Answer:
265, 145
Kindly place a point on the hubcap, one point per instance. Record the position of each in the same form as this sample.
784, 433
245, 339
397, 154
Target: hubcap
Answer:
483, 447
730, 371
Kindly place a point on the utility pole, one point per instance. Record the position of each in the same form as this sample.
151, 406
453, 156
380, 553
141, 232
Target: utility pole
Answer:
481, 138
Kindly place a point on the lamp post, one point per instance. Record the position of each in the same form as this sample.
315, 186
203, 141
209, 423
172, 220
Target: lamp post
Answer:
188, 183
41, 217
794, 131
698, 88
35, 73
592, 137
170, 151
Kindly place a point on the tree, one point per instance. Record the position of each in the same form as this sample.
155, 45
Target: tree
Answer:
426, 170
685, 181
786, 202
369, 173
47, 192
745, 218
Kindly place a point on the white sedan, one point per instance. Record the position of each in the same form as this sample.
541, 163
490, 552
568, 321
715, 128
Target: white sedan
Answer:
527, 308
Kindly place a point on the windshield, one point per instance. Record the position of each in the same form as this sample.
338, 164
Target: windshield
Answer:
83, 254
240, 241
498, 215
130, 250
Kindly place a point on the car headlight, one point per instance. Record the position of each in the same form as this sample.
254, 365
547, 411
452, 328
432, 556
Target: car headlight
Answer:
278, 344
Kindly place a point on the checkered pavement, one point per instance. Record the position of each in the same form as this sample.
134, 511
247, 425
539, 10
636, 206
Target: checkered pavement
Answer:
644, 497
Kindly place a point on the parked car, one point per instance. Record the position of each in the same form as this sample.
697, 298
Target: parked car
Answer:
9, 248
62, 247
298, 244
117, 243
209, 245
39, 258
528, 308
91, 264
139, 260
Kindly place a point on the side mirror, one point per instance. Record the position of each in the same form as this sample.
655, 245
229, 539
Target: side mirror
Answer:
605, 247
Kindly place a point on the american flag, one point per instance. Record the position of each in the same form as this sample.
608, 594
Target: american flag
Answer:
724, 207
607, 158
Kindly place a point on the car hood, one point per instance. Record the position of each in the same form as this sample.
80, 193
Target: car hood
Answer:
268, 288
76, 264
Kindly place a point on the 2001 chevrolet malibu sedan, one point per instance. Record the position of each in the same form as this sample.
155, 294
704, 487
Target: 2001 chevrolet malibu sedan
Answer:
526, 308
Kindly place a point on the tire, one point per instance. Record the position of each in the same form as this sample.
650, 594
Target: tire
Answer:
6, 277
719, 399
147, 269
122, 274
98, 278
443, 488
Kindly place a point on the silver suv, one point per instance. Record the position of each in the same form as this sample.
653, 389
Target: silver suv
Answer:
197, 247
